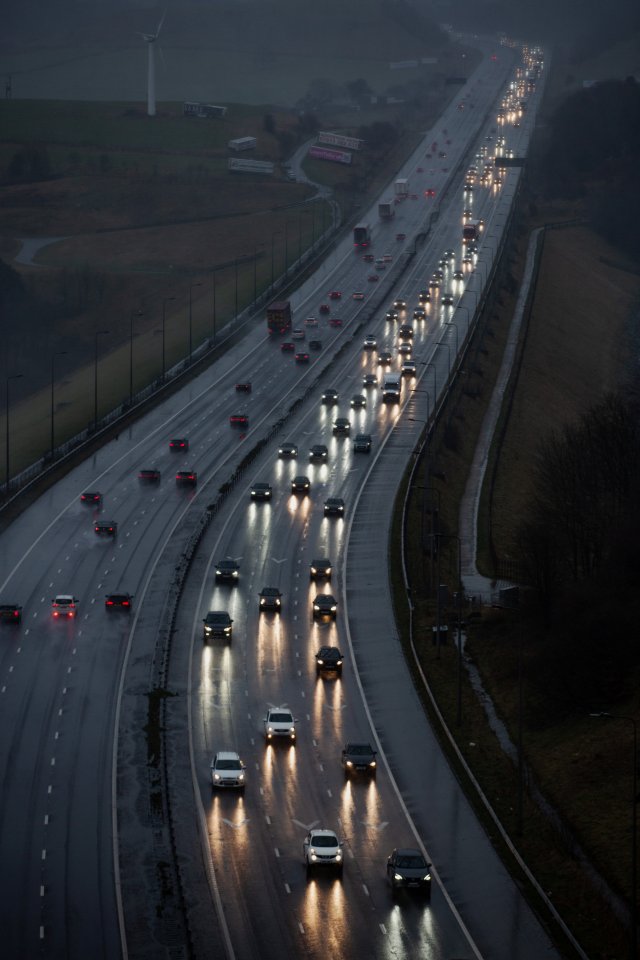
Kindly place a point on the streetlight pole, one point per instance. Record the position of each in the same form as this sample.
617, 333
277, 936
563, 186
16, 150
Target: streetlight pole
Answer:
466, 310
165, 301
7, 380
443, 343
98, 333
431, 364
61, 353
453, 536
633, 940
191, 286
276, 233
452, 323
133, 314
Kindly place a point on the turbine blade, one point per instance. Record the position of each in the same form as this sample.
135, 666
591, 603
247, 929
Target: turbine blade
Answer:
162, 20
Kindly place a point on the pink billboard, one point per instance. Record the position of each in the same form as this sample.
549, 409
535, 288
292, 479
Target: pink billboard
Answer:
324, 153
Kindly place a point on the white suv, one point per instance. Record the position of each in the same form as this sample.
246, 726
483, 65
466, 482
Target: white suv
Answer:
227, 770
321, 848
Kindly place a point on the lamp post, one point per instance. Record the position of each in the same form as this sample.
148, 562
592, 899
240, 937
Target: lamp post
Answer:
276, 233
443, 343
134, 313
431, 364
633, 940
165, 301
452, 323
98, 333
60, 353
198, 283
453, 536
7, 380
466, 310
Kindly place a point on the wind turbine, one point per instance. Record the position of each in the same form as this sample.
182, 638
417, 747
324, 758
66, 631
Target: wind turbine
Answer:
150, 39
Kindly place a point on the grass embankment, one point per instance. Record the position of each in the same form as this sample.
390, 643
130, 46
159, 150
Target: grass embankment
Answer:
577, 346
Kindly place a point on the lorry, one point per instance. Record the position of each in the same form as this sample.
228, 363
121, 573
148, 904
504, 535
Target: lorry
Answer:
362, 235
279, 317
402, 188
386, 210
471, 231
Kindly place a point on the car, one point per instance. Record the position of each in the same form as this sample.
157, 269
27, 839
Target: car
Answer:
218, 625
297, 333
321, 848
187, 478
243, 387
358, 295
106, 528
442, 155
358, 758
434, 283
430, 192
391, 315
370, 342
467, 215
287, 347
300, 484
227, 771
424, 296
311, 322
118, 601
458, 275
261, 491
10, 613
373, 278
92, 497
368, 258
467, 259
325, 308
279, 724
178, 445
329, 660
358, 400
330, 395
149, 476
447, 298
227, 571
380, 264
334, 507
443, 264
419, 314
362, 443
64, 605
288, 451
408, 368
335, 322
320, 569
270, 599
318, 453
335, 295
468, 187
369, 380
407, 867
239, 420
405, 348
385, 358
315, 345
401, 236
405, 331
400, 303
302, 357
439, 273
341, 427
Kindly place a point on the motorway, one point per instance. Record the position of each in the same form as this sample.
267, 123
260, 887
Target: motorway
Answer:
80, 850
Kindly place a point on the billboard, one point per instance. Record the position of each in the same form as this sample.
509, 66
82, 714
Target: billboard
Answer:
336, 140
324, 153
249, 166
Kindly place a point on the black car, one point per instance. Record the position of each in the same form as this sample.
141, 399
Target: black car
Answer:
362, 443
187, 478
179, 445
424, 296
270, 599
325, 605
329, 660
400, 303
10, 613
302, 357
261, 491
106, 528
408, 868
149, 476
243, 387
330, 396
320, 569
318, 453
358, 400
287, 451
118, 601
358, 758
341, 427
369, 380
92, 497
218, 625
392, 315
315, 345
334, 507
300, 484
240, 420
227, 571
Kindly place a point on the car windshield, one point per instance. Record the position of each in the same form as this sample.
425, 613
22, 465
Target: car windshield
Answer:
415, 862
281, 718
322, 841
227, 765
359, 749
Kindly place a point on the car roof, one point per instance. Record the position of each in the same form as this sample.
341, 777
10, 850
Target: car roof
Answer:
270, 591
325, 650
227, 755
408, 852
323, 832
219, 614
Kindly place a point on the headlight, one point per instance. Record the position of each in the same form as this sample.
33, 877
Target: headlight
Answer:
269, 729
333, 608
277, 602
320, 662
349, 763
261, 601
313, 855
427, 876
235, 573
216, 776
338, 663
338, 856
292, 729
397, 876
241, 776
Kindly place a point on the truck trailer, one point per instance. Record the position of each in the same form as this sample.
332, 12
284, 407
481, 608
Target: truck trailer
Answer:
279, 317
386, 210
402, 188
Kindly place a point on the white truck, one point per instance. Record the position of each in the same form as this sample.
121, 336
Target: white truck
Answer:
386, 210
402, 188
